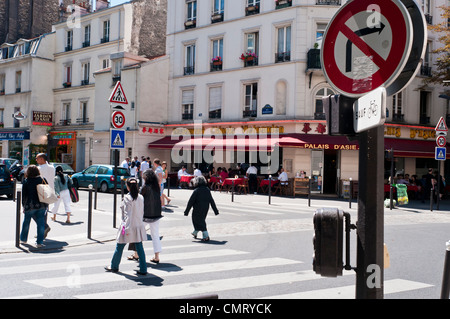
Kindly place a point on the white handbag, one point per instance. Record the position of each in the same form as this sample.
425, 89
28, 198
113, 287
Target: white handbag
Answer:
46, 193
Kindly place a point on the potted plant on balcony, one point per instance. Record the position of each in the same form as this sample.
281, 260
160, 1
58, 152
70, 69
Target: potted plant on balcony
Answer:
217, 60
248, 56
2, 125
67, 84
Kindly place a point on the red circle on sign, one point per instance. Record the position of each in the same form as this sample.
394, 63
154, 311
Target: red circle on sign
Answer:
387, 69
118, 119
441, 141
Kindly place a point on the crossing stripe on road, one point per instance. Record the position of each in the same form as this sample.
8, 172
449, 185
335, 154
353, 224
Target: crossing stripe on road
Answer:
348, 292
165, 272
105, 261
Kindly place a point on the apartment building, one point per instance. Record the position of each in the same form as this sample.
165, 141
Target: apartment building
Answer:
254, 64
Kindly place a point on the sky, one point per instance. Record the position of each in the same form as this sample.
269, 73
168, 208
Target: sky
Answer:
116, 2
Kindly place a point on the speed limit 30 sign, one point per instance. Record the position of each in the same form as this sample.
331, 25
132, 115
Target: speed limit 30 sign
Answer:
118, 119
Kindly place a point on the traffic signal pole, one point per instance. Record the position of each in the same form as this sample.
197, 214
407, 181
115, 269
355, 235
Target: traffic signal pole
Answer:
370, 224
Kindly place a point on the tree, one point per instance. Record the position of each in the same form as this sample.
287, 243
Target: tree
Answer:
442, 71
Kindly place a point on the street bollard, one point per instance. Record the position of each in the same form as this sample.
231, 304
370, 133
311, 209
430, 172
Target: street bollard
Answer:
14, 189
350, 193
232, 191
309, 193
122, 187
445, 292
18, 208
270, 188
431, 198
89, 223
96, 191
168, 186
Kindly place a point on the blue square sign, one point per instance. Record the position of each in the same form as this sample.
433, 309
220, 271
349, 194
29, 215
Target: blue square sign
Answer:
440, 153
117, 139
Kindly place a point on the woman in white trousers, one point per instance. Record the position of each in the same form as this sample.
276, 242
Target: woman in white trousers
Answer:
62, 191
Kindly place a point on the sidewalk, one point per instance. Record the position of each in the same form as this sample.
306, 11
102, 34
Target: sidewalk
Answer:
63, 235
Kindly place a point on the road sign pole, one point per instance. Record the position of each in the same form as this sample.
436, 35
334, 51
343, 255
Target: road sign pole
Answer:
370, 227
116, 164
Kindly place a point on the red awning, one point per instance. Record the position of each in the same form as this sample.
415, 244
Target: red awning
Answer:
412, 148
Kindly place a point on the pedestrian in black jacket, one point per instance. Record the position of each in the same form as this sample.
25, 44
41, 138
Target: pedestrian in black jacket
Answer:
200, 200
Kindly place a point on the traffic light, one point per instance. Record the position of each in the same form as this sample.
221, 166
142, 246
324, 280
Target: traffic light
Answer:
328, 242
339, 114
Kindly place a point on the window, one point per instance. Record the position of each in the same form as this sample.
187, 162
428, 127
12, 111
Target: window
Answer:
424, 110
106, 29
215, 102
65, 114
320, 31
69, 40
319, 113
252, 47
105, 63
425, 69
252, 7
187, 105
67, 81
18, 81
87, 36
217, 15
284, 44
117, 70
190, 60
397, 103
2, 114
217, 55
85, 72
2, 84
83, 113
279, 4
251, 100
191, 14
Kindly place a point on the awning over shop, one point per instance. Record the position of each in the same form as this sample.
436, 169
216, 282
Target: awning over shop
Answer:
325, 142
412, 148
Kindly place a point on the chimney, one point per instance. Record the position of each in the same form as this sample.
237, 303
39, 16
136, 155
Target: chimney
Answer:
102, 4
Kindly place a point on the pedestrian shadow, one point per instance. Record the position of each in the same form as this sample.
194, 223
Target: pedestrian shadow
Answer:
50, 247
68, 224
211, 242
147, 280
167, 267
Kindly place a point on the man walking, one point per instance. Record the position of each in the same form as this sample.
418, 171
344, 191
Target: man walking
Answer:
47, 171
251, 173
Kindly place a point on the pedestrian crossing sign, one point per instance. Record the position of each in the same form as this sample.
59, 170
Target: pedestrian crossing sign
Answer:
117, 139
118, 95
440, 154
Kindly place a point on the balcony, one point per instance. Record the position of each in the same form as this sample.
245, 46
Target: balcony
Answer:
424, 119
250, 62
65, 122
187, 116
18, 90
217, 114
83, 121
398, 118
319, 116
189, 70
280, 4
190, 24
105, 39
216, 17
85, 82
425, 70
250, 113
328, 2
251, 10
67, 85
68, 48
282, 57
313, 59
216, 66
86, 44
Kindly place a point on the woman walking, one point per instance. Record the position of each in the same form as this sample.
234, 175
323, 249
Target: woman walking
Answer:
32, 207
62, 183
132, 228
200, 200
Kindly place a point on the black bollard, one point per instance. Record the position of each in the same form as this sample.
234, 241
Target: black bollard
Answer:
309, 193
431, 198
445, 292
18, 208
89, 224
122, 187
96, 191
350, 194
270, 188
232, 191
168, 186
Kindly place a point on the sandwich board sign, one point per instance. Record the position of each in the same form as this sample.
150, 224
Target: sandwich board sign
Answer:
118, 95
117, 139
366, 45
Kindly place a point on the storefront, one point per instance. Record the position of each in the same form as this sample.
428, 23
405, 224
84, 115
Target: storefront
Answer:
63, 148
13, 143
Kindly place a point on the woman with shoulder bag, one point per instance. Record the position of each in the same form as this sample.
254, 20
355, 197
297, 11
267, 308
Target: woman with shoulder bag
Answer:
62, 183
32, 207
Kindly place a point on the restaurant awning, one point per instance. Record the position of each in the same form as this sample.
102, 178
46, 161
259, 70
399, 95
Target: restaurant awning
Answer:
412, 148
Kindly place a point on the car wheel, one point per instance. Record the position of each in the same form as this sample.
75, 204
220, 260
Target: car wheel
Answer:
104, 187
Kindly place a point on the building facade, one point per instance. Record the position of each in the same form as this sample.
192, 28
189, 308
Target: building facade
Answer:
240, 65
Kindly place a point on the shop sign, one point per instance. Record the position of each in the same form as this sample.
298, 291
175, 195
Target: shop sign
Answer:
413, 133
42, 118
149, 130
64, 135
325, 146
14, 136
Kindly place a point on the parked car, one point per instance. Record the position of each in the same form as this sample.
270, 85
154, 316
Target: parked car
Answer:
105, 177
66, 170
6, 181
7, 161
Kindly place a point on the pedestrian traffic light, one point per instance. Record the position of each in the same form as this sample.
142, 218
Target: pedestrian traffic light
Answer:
339, 114
328, 242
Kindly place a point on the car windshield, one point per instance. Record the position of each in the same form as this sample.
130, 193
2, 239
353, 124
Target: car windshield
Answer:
122, 171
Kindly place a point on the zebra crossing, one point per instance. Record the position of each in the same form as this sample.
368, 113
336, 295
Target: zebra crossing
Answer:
187, 269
